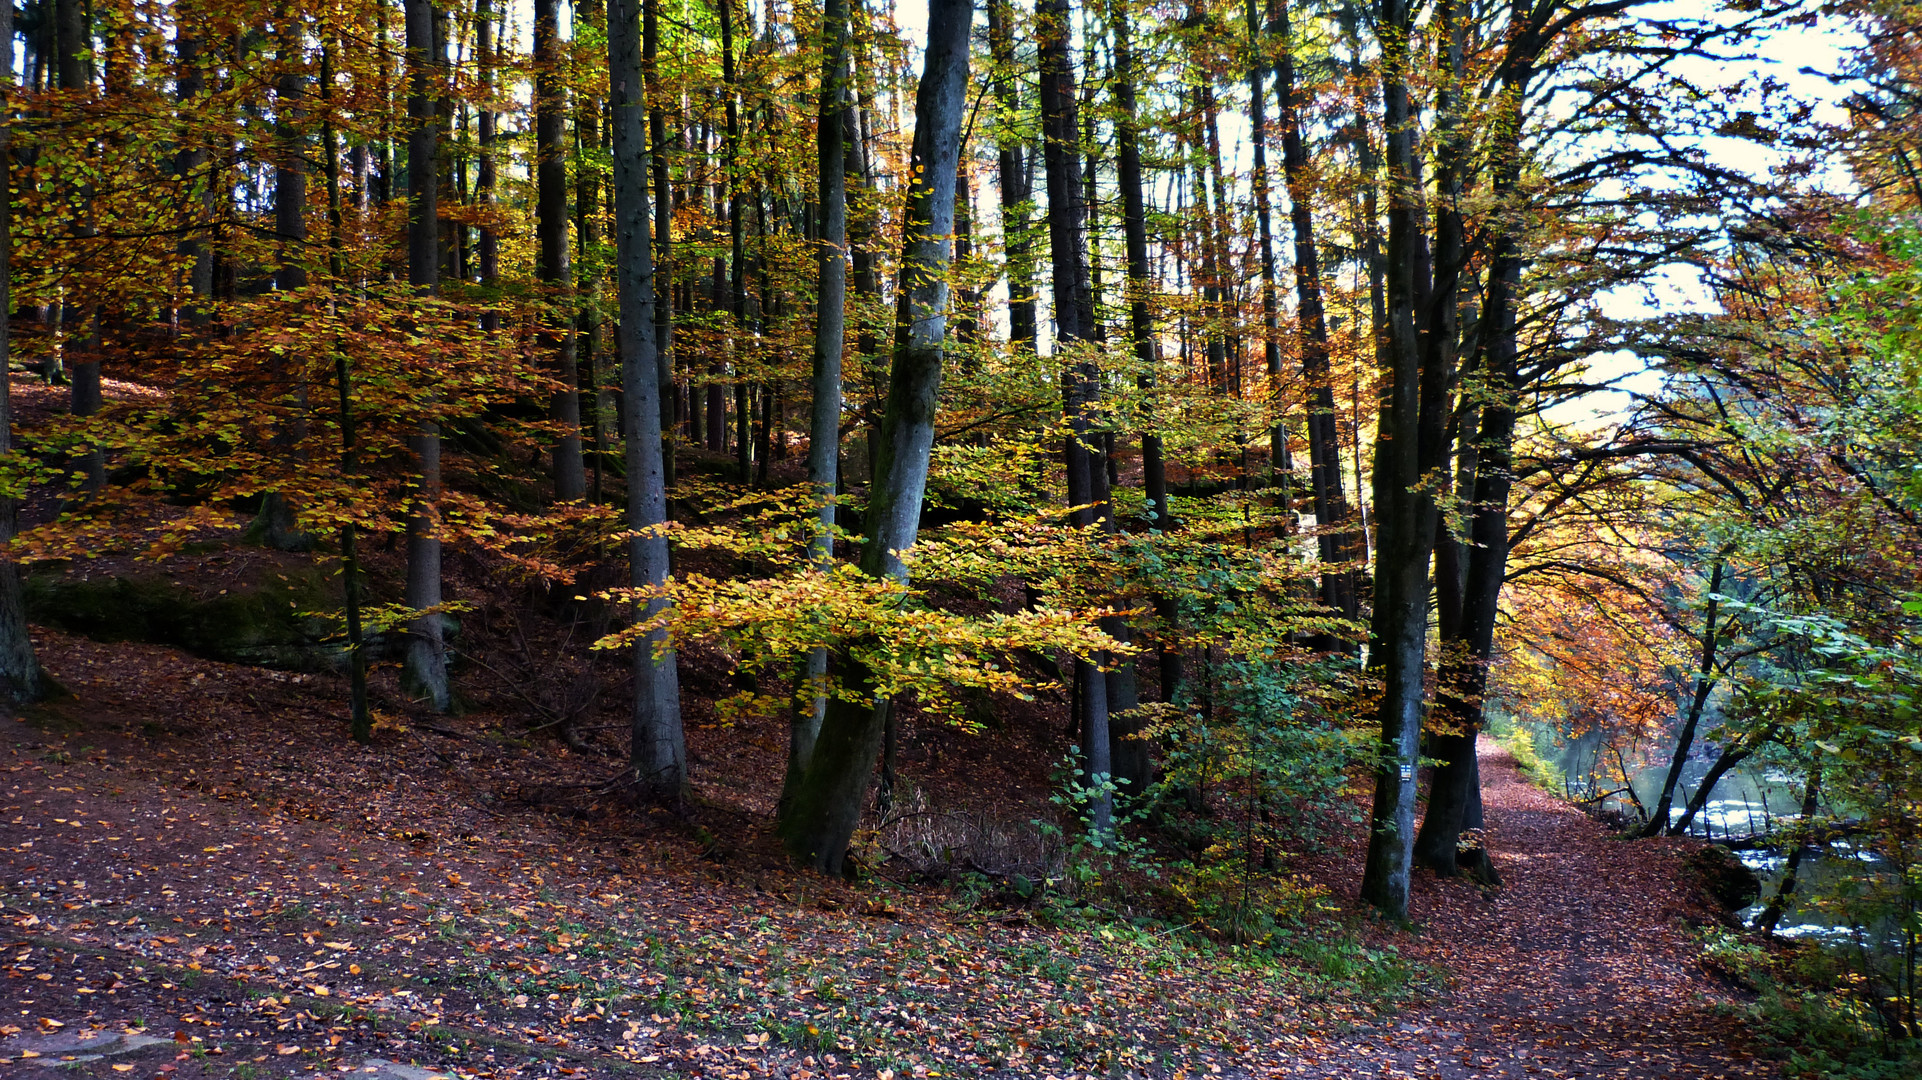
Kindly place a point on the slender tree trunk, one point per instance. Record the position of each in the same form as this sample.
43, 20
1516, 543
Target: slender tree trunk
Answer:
551, 220
384, 93
189, 83
1778, 905
1454, 799
597, 405
830, 337
862, 279
359, 716
659, 750
1324, 442
1017, 186
1704, 686
275, 524
424, 669
663, 233
826, 805
486, 177
1279, 464
444, 161
736, 230
1074, 326
967, 321
80, 320
1725, 762
1131, 759
1134, 762
21, 680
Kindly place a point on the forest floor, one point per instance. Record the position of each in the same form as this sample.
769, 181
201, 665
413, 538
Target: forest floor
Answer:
199, 877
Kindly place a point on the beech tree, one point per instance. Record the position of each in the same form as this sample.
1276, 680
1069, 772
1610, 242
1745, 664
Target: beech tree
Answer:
826, 803
426, 663
659, 747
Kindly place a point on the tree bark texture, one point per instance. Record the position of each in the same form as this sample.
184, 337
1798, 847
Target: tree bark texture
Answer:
1337, 549
830, 336
1704, 686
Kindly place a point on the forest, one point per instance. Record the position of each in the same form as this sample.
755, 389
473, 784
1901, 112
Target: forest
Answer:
1315, 489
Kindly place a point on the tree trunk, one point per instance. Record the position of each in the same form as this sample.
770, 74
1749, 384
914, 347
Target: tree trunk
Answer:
444, 161
1463, 679
1404, 515
80, 321
384, 142
826, 805
424, 669
1704, 686
21, 680
550, 216
862, 279
1337, 549
1778, 905
736, 229
663, 234
486, 171
1131, 758
1074, 325
1454, 797
360, 717
830, 336
189, 83
1279, 465
597, 403
1016, 183
1731, 756
275, 526
659, 752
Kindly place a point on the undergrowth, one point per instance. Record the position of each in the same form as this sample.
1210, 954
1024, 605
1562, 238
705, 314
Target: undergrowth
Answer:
1808, 1004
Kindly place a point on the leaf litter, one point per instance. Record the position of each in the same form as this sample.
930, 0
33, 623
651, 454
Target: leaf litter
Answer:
191, 853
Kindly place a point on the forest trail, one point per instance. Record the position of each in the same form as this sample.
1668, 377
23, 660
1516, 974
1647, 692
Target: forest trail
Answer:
1582, 965
243, 895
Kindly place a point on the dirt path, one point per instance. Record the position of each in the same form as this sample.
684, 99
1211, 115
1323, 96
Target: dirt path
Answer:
1582, 965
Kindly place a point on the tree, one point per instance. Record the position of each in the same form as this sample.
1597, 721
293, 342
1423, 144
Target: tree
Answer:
1087, 479
1015, 181
659, 748
830, 339
21, 680
1404, 512
425, 671
550, 177
827, 803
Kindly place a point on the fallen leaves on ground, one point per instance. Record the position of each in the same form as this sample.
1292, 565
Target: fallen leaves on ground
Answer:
202, 855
